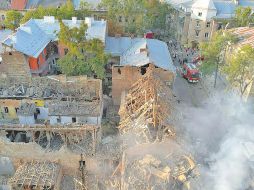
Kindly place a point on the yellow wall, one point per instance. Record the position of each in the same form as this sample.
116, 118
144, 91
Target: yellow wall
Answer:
11, 105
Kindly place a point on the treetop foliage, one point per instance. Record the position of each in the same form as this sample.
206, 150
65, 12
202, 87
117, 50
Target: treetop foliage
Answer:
85, 57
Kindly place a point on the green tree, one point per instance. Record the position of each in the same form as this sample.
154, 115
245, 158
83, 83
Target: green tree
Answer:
66, 11
12, 19
85, 57
138, 15
240, 69
243, 16
84, 10
213, 50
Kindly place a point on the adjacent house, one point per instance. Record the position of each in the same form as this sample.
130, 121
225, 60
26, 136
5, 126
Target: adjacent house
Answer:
133, 56
246, 37
196, 21
37, 40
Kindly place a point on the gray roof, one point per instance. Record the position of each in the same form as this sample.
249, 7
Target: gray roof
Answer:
129, 51
3, 35
29, 39
32, 37
45, 3
225, 9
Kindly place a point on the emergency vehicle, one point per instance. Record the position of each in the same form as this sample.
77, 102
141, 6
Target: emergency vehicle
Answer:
190, 72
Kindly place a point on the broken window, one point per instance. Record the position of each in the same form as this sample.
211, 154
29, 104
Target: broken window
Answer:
206, 35
143, 70
58, 119
38, 111
74, 120
208, 24
119, 71
16, 109
200, 14
6, 110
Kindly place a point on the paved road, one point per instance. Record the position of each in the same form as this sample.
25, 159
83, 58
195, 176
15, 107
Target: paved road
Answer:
187, 93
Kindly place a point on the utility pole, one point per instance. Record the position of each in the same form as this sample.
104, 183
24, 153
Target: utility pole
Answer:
216, 74
82, 165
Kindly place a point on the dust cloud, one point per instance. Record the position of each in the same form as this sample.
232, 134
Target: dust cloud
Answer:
220, 135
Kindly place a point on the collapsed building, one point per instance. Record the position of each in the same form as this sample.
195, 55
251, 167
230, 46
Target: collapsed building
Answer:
147, 112
158, 166
131, 58
37, 175
56, 99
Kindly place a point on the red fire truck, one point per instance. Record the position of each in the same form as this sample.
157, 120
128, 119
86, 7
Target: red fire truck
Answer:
149, 35
190, 72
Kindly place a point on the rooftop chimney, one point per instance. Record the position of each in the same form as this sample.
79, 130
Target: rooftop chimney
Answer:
74, 20
49, 19
236, 2
89, 21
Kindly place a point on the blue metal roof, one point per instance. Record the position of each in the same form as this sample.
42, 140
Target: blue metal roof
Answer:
32, 37
129, 51
225, 9
29, 39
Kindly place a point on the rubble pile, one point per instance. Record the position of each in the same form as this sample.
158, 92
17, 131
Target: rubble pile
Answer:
155, 170
147, 115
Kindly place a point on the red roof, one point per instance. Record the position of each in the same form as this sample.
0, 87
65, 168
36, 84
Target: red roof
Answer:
18, 4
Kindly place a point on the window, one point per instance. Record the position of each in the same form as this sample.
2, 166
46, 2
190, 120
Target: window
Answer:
200, 14
120, 19
206, 35
74, 120
38, 111
6, 110
58, 119
198, 23
16, 109
3, 17
197, 33
208, 24
119, 71
126, 19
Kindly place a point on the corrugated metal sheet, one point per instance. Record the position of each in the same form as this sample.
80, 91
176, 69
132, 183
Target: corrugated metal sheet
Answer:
32, 37
29, 39
129, 51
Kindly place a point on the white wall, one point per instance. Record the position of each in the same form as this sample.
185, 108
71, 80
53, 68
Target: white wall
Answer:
44, 113
64, 120
206, 14
88, 120
26, 120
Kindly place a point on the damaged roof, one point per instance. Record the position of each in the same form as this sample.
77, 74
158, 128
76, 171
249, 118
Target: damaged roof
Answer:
245, 34
140, 51
32, 37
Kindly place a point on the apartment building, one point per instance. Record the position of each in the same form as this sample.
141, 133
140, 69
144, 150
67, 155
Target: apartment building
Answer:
195, 21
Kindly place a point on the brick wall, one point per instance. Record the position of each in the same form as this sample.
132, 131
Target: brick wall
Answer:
124, 77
